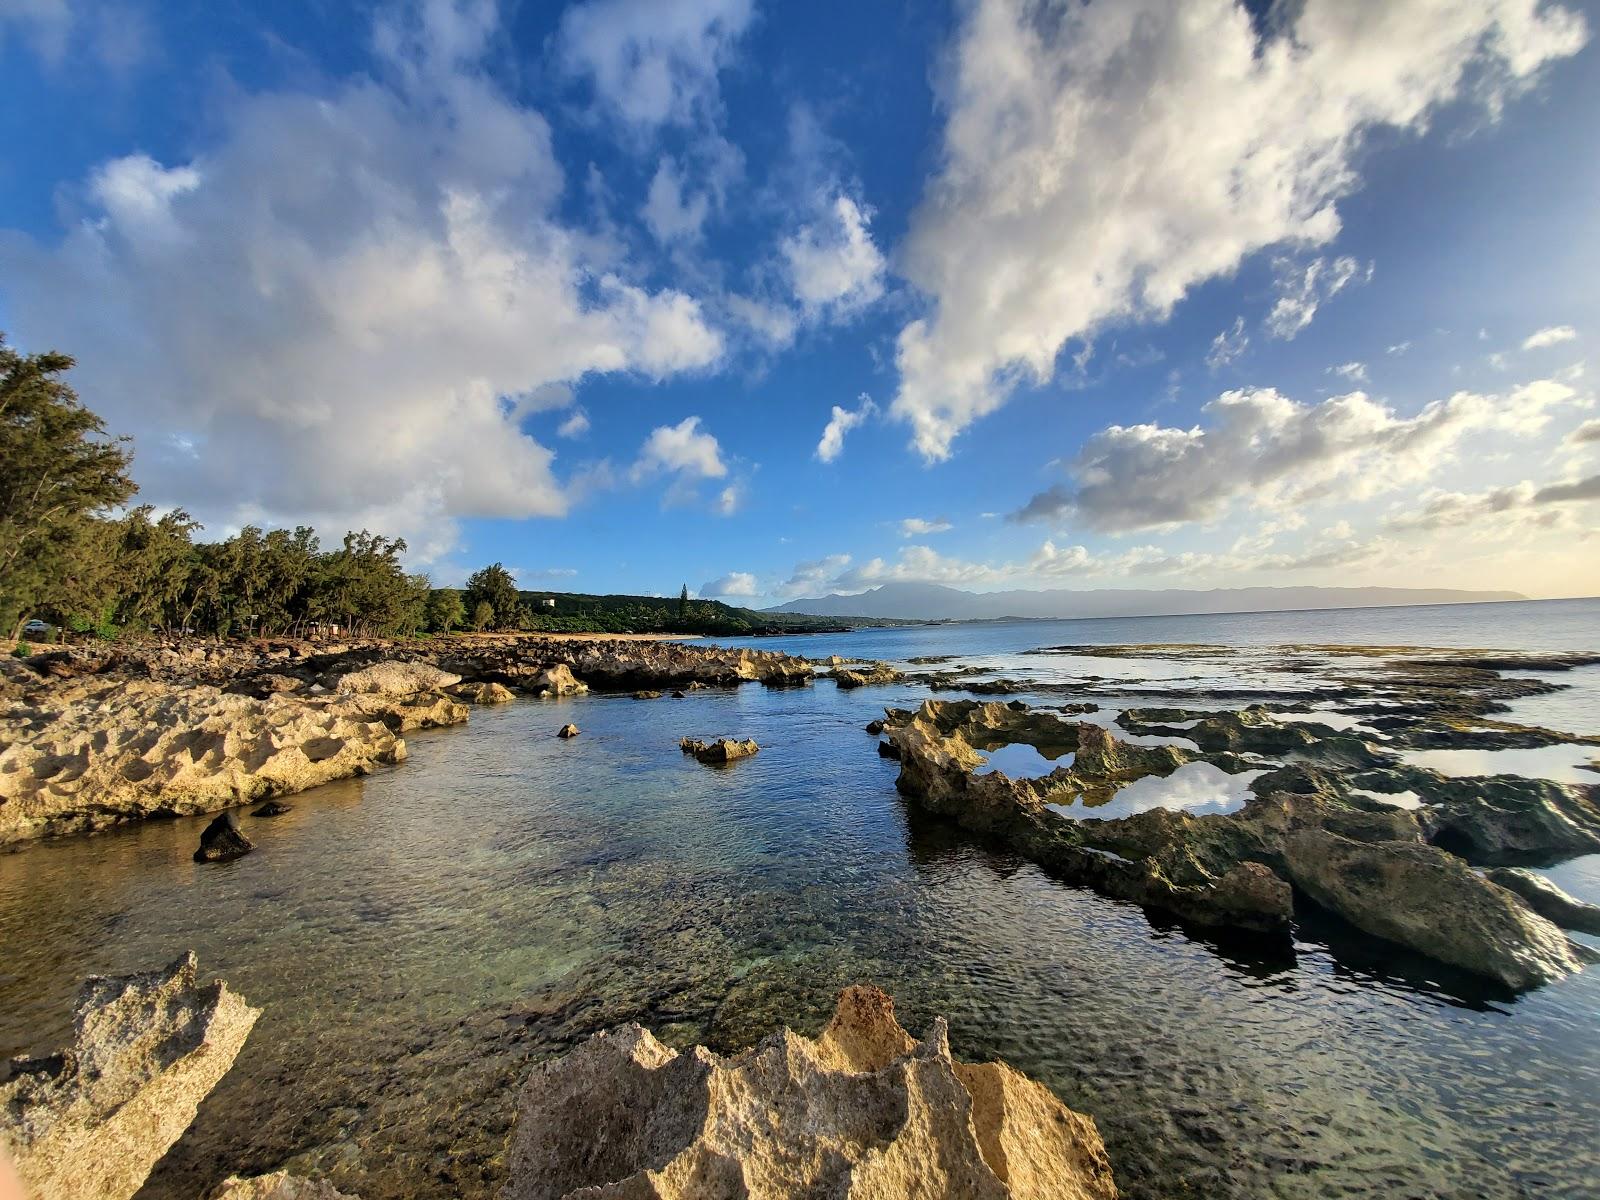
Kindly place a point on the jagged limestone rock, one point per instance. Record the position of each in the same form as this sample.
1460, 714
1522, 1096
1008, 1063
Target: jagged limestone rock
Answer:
90, 1122
396, 678
481, 693
280, 1185
862, 1112
94, 756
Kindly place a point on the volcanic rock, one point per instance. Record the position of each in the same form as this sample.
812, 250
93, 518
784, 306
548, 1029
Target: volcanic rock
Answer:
223, 841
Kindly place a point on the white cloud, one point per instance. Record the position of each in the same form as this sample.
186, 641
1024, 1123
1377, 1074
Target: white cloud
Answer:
1100, 160
915, 564
115, 35
1305, 287
735, 583
1588, 432
680, 449
1278, 453
575, 426
1553, 335
833, 265
1228, 345
348, 341
653, 62
1398, 348
812, 576
1355, 372
670, 215
840, 423
729, 499
918, 527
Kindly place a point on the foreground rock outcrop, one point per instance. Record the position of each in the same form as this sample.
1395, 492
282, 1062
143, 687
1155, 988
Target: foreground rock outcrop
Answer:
862, 1111
89, 1123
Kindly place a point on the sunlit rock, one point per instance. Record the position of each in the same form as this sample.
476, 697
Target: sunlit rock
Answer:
89, 1123
862, 1111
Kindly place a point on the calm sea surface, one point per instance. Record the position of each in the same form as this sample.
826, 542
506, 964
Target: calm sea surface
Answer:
417, 938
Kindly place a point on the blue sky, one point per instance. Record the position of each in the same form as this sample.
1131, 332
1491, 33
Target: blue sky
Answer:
781, 299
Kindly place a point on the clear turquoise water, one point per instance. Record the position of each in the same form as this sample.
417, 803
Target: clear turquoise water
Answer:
418, 937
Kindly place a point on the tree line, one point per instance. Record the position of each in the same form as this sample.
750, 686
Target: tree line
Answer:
75, 555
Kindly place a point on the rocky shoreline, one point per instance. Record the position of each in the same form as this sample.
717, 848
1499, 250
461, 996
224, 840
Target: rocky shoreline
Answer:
863, 1110
1315, 824
92, 737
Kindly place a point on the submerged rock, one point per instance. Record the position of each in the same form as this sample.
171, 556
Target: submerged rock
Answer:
280, 1185
862, 1111
222, 841
1429, 900
1546, 899
567, 731
272, 808
646, 694
89, 1123
723, 750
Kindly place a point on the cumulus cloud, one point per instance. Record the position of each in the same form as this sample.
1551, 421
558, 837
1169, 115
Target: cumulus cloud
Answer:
653, 62
840, 423
918, 527
1099, 160
575, 425
1277, 452
1552, 335
1354, 372
735, 583
681, 449
1586, 433
356, 339
833, 264
1305, 287
915, 564
813, 575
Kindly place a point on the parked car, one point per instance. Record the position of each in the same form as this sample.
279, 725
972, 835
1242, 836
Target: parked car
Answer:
35, 628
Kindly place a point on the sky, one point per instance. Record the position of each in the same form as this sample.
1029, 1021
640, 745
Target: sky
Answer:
774, 300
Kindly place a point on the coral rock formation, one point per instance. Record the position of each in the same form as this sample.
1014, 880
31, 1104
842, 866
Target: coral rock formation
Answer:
90, 1122
862, 1111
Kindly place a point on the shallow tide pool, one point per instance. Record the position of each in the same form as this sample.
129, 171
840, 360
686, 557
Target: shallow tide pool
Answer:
418, 938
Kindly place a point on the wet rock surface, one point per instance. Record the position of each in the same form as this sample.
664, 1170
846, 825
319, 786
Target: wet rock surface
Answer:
222, 840
862, 1111
720, 750
91, 1122
1546, 899
1235, 869
1429, 900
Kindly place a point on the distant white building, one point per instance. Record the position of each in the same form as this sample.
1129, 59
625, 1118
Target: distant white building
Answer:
548, 602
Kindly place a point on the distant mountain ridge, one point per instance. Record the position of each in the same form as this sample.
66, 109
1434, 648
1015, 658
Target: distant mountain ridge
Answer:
935, 602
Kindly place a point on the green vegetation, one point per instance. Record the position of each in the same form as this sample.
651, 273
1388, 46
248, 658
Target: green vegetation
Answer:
73, 556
